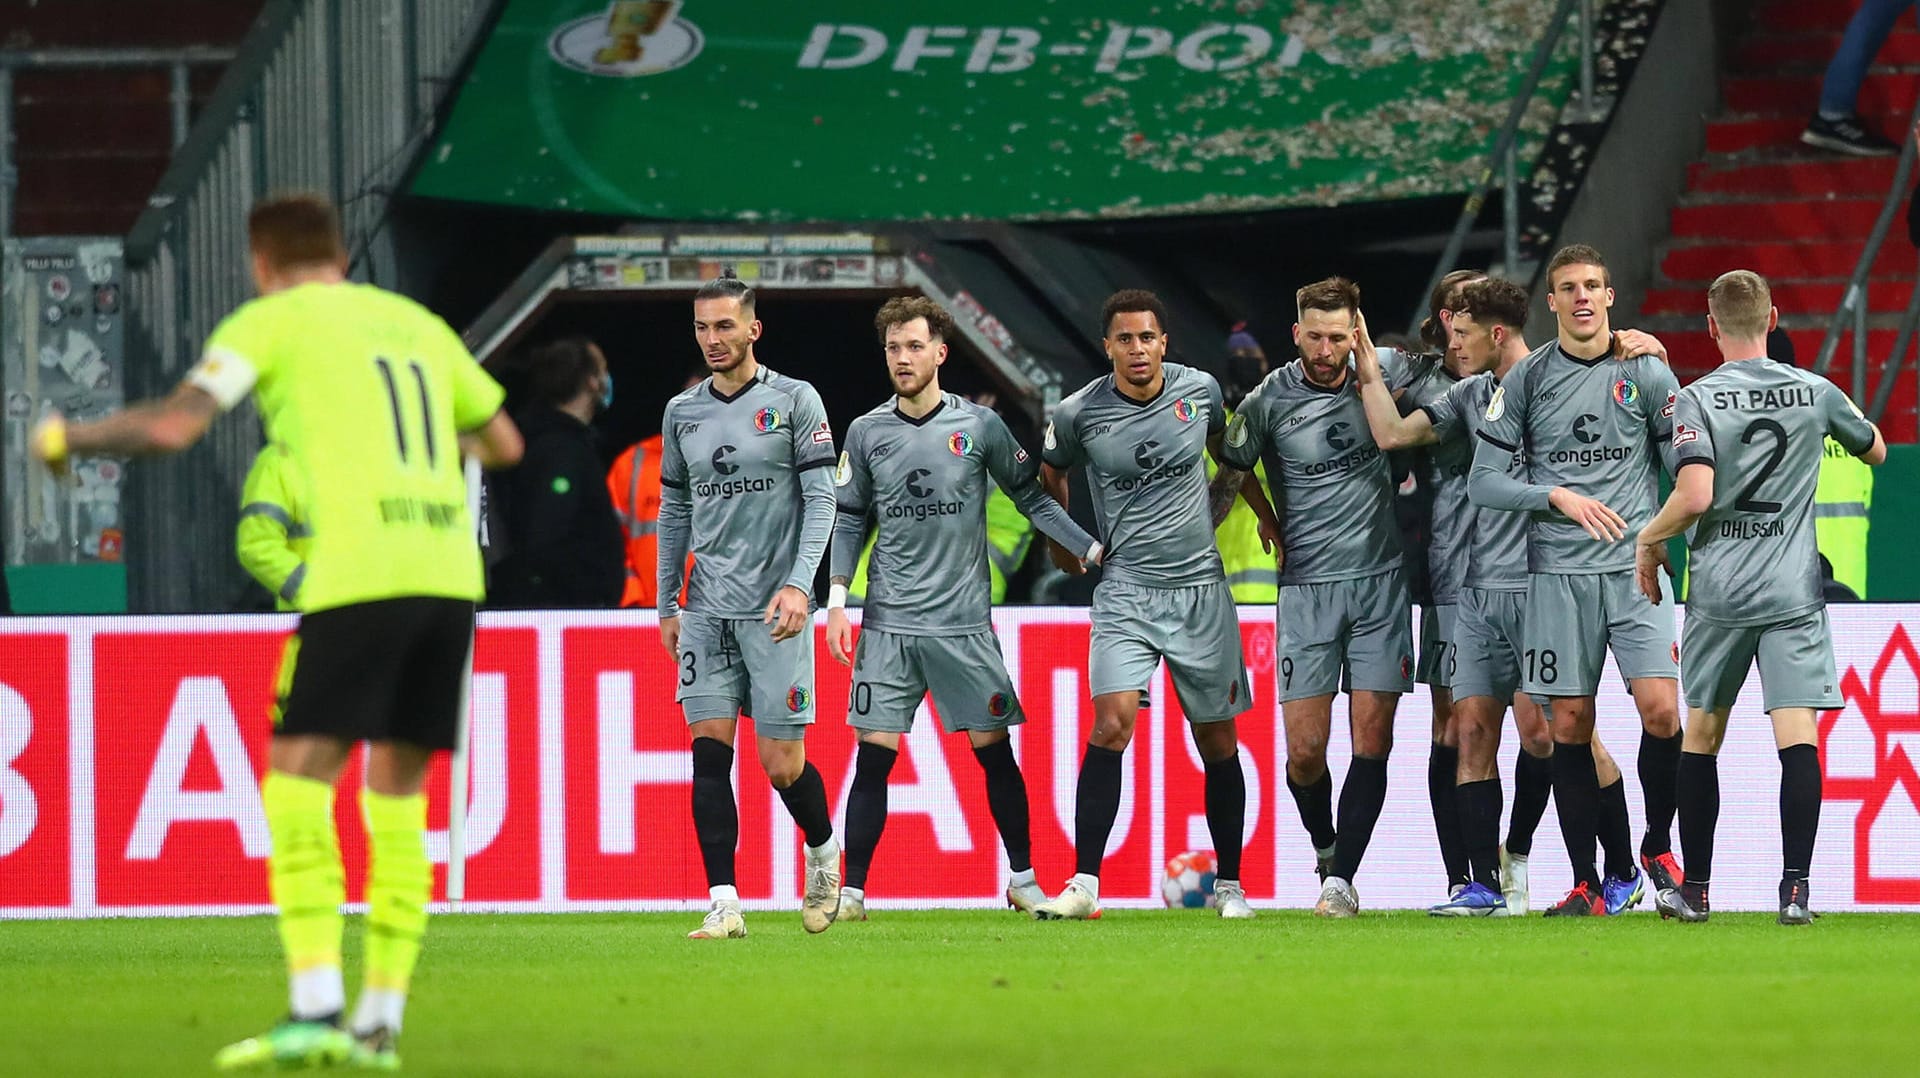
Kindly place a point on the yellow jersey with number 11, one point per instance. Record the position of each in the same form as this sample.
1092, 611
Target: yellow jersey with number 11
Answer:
367, 391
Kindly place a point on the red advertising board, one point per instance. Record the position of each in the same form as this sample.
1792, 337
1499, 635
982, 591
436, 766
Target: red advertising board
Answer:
131, 751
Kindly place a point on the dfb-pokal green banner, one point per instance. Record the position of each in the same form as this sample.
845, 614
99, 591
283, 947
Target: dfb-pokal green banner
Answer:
874, 110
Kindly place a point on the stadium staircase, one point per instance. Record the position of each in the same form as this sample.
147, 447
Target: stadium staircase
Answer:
92, 143
1761, 200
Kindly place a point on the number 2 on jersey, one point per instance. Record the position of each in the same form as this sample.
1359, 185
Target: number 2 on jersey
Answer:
1746, 502
399, 417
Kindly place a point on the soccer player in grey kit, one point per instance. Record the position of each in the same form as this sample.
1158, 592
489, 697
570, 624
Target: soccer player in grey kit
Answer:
745, 482
1343, 619
1749, 439
919, 468
1140, 433
1594, 433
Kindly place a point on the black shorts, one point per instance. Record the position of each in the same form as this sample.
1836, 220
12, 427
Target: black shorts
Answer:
389, 670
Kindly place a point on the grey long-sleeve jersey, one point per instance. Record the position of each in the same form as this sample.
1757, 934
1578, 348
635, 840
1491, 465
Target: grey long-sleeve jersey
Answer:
924, 482
744, 484
1599, 427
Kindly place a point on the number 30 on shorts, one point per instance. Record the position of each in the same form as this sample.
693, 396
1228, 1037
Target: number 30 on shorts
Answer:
1548, 671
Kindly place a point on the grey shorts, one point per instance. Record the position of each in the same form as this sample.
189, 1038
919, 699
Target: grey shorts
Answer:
730, 666
1487, 637
1796, 662
1195, 629
1439, 652
1355, 635
1573, 619
966, 674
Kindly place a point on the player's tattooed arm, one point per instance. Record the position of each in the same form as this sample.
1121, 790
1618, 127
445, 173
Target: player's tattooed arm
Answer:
1691, 498
171, 424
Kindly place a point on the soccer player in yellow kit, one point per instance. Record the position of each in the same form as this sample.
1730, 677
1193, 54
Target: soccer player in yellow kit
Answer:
375, 399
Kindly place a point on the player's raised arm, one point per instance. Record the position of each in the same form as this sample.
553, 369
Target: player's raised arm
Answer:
1390, 429
171, 424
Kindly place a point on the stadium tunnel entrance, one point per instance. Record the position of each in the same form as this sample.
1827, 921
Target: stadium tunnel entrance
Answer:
817, 297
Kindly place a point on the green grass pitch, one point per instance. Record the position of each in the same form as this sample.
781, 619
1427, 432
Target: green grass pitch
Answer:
983, 992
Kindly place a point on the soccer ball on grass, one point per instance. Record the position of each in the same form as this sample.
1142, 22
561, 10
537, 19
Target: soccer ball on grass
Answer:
1188, 883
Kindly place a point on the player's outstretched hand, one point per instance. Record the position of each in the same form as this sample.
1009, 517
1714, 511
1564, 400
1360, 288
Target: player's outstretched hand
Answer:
670, 637
1590, 513
787, 612
1648, 560
839, 636
1628, 343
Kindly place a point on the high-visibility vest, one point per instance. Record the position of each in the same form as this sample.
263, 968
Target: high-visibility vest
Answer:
634, 484
1009, 534
1250, 572
274, 535
1840, 507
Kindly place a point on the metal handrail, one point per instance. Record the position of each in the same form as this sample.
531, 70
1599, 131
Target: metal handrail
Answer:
1854, 301
1503, 154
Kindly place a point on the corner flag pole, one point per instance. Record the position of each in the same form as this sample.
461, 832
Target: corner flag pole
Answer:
457, 771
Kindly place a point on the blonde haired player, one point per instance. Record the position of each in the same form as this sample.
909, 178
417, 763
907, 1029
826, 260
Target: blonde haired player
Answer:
374, 399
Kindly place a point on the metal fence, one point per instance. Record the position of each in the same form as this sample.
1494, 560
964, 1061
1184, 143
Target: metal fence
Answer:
334, 96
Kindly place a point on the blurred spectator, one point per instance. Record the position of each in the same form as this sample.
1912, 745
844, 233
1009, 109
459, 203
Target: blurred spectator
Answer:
1251, 573
1842, 502
1836, 123
274, 533
562, 542
634, 485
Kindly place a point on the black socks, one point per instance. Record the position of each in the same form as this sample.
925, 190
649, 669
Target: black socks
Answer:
867, 809
1007, 799
716, 820
1316, 808
1443, 765
1532, 787
1576, 798
1479, 808
1361, 798
1659, 774
806, 801
1096, 802
1227, 813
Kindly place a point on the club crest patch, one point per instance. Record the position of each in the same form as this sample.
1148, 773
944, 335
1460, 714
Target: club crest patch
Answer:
999, 705
767, 420
1185, 409
959, 443
1625, 393
798, 699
